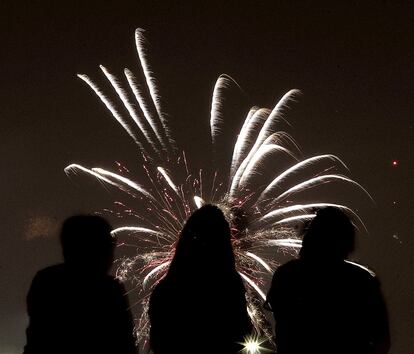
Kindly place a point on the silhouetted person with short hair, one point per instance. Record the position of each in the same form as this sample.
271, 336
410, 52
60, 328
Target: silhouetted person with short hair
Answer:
200, 305
323, 304
77, 307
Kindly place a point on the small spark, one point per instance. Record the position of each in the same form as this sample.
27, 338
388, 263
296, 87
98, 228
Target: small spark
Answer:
252, 345
395, 237
394, 163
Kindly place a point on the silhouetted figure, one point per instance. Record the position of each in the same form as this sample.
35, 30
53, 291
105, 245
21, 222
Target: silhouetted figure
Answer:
321, 303
200, 305
77, 307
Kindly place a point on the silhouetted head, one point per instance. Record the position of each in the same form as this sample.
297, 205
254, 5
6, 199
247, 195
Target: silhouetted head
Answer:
204, 244
87, 243
329, 236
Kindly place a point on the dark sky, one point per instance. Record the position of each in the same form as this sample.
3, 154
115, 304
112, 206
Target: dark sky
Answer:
352, 61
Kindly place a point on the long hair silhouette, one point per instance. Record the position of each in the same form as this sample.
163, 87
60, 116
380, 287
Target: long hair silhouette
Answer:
200, 305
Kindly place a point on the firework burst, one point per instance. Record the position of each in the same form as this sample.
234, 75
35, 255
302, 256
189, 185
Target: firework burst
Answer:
262, 216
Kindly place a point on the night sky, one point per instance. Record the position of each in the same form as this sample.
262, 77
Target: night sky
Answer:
354, 64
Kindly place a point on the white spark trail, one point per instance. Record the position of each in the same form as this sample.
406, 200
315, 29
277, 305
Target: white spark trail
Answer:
128, 105
362, 267
247, 168
302, 207
306, 207
216, 116
139, 96
259, 260
303, 217
153, 272
241, 140
296, 168
312, 182
125, 181
111, 108
73, 167
169, 180
199, 202
152, 87
283, 136
253, 285
286, 242
135, 229
273, 118
256, 159
276, 115
264, 133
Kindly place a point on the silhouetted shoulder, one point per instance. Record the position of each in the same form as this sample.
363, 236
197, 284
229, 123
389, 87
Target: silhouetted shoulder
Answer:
291, 266
354, 276
289, 269
363, 278
347, 273
160, 294
68, 310
60, 277
288, 273
54, 271
43, 282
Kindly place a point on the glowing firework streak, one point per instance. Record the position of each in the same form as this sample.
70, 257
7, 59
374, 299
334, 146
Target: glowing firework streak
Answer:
135, 229
222, 83
142, 104
169, 180
74, 167
302, 218
257, 158
306, 207
315, 182
260, 260
362, 267
264, 133
199, 202
253, 285
152, 87
244, 138
287, 242
128, 104
124, 180
296, 168
153, 272
140, 230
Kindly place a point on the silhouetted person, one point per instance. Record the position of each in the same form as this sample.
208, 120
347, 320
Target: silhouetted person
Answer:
200, 305
321, 303
77, 307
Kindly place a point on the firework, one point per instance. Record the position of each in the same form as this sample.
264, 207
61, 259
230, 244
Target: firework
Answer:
262, 218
